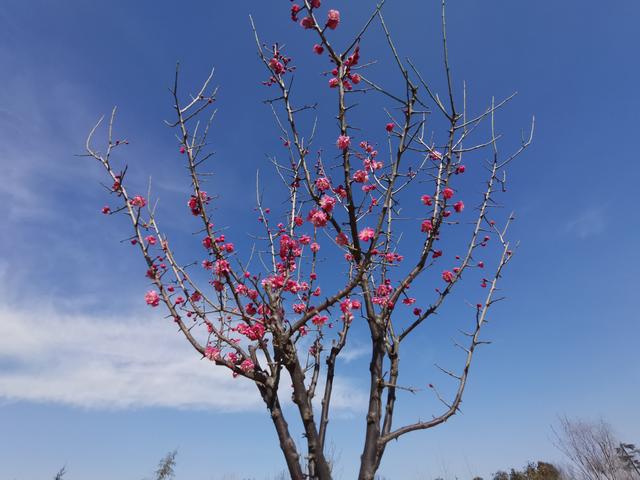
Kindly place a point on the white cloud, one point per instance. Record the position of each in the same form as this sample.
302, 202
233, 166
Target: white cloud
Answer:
354, 352
81, 359
106, 363
588, 223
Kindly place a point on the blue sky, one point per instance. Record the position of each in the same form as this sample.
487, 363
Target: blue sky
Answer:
89, 377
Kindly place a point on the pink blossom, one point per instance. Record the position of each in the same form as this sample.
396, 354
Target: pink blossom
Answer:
318, 218
333, 19
409, 301
447, 193
360, 176
323, 184
319, 49
247, 365
276, 66
366, 234
480, 264
212, 353
356, 79
343, 142
207, 242
152, 298
138, 201
295, 9
315, 3
221, 267
150, 239
315, 247
347, 306
305, 239
106, 210
327, 203
458, 206
426, 200
447, 276
342, 239
307, 23
389, 127
333, 82
371, 165
319, 320
194, 205
341, 191
426, 226
254, 332
460, 169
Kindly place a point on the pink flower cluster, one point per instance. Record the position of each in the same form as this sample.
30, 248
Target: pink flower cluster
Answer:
366, 234
347, 306
323, 184
448, 276
194, 204
152, 298
212, 353
318, 218
347, 77
138, 201
253, 332
343, 142
382, 294
279, 65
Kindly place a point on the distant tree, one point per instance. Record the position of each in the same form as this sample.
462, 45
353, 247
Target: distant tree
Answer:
594, 451
533, 471
542, 471
166, 466
629, 455
61, 473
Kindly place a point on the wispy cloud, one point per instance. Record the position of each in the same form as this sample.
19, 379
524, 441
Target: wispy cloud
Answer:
354, 352
105, 363
101, 362
588, 223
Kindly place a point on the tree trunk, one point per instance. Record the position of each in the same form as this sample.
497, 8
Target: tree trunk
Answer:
369, 460
287, 445
318, 466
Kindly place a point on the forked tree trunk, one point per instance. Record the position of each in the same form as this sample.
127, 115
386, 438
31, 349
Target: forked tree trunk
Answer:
287, 445
369, 459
